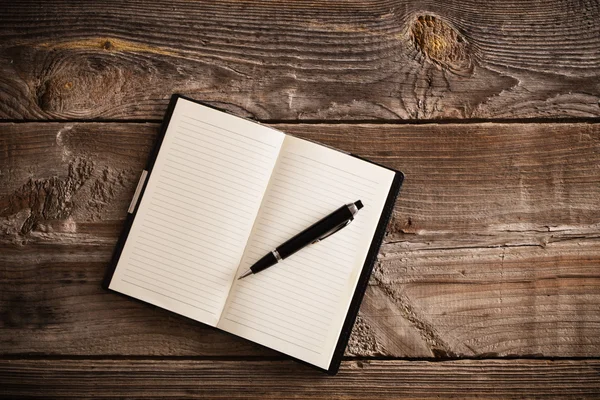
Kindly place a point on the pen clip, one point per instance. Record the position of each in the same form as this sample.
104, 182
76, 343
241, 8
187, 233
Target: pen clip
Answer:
334, 230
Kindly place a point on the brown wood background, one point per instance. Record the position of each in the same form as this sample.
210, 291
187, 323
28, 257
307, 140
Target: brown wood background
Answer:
488, 282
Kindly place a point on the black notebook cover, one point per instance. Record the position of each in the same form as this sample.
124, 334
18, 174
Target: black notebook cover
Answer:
366, 270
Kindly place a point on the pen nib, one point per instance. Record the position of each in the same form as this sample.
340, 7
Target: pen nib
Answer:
245, 274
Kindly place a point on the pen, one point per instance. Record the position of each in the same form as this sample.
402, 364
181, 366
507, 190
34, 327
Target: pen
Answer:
318, 231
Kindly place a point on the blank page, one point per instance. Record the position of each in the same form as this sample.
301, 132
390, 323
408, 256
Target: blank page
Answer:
299, 305
196, 214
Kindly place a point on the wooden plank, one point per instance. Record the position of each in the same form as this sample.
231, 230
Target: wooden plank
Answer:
514, 379
464, 182
302, 60
508, 301
452, 303
493, 249
69, 313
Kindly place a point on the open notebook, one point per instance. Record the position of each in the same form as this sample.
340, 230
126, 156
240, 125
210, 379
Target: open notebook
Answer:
220, 192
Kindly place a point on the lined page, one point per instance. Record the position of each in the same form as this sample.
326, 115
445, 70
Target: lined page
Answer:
197, 212
299, 305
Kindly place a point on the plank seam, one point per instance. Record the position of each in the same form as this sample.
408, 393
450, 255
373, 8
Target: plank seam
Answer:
471, 121
60, 357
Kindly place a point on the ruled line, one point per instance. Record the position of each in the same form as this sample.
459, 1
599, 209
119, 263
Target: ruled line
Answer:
297, 274
143, 271
181, 258
282, 318
346, 190
325, 205
226, 237
156, 285
269, 290
144, 265
220, 138
305, 218
229, 167
170, 297
219, 243
219, 182
227, 130
301, 291
191, 220
230, 212
329, 166
195, 249
239, 177
245, 297
206, 142
292, 335
177, 268
302, 278
272, 335
214, 160
221, 200
334, 201
256, 288
231, 195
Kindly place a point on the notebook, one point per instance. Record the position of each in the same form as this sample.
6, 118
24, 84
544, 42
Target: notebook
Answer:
218, 193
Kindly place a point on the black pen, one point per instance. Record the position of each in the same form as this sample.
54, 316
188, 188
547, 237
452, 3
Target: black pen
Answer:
326, 227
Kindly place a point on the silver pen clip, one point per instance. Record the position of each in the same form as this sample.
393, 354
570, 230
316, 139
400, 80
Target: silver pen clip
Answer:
334, 230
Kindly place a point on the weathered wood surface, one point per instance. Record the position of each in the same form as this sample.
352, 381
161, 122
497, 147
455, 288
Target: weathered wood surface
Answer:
158, 379
300, 60
493, 250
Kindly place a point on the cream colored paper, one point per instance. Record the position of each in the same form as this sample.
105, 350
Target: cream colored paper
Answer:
298, 306
197, 212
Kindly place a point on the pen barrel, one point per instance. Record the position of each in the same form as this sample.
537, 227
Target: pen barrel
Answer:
264, 263
315, 231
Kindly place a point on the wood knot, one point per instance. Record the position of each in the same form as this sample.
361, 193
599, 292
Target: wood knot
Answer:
107, 45
441, 43
80, 86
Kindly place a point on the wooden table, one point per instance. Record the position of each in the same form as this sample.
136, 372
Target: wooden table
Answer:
488, 283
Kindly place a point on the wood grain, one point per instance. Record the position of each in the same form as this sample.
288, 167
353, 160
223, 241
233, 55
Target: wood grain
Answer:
302, 60
512, 379
489, 275
493, 249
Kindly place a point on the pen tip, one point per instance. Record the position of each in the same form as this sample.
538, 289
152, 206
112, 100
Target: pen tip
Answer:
245, 274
